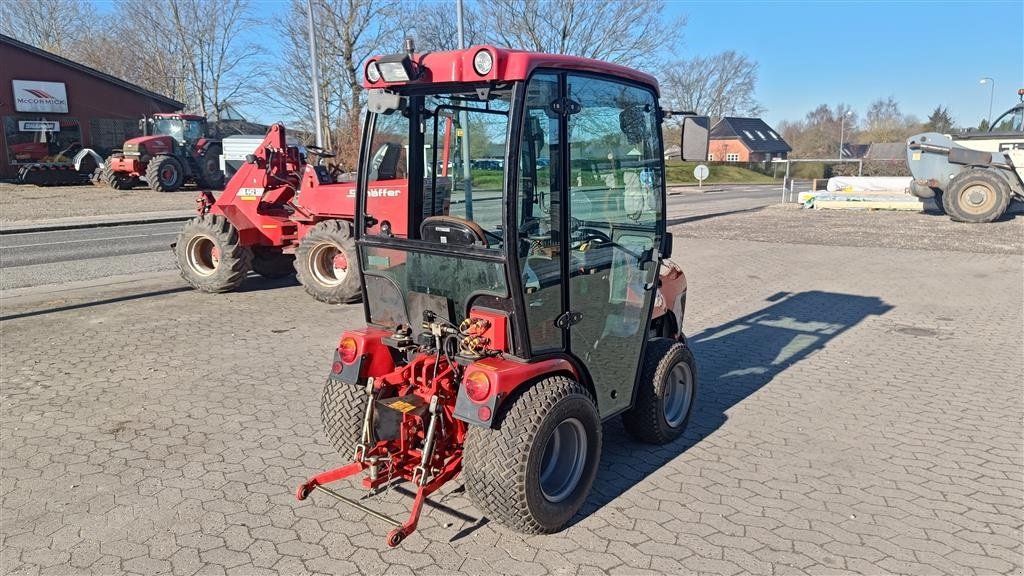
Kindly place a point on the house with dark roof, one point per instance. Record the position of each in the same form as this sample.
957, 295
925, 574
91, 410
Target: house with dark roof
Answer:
745, 140
50, 107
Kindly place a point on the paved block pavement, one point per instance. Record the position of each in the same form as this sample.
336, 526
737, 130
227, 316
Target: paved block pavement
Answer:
860, 411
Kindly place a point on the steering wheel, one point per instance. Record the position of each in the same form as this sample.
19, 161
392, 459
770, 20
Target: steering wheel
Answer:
589, 234
317, 150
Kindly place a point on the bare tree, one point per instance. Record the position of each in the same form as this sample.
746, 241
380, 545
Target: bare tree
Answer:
818, 134
435, 28
348, 32
637, 34
53, 25
884, 122
717, 86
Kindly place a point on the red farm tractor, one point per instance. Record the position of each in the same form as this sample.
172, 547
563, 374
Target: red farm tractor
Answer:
174, 149
531, 305
281, 214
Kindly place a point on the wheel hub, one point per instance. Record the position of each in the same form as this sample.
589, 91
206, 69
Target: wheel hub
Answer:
563, 460
978, 198
203, 255
328, 264
678, 394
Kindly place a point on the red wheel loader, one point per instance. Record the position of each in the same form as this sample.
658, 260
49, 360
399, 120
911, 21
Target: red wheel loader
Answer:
174, 149
281, 214
535, 303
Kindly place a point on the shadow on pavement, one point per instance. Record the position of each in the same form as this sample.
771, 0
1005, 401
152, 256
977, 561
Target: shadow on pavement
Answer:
81, 305
699, 217
734, 360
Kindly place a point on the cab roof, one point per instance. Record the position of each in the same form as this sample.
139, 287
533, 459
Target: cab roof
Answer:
176, 115
509, 65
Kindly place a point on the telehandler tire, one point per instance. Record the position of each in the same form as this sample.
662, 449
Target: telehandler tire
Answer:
210, 255
342, 409
326, 264
534, 469
976, 196
665, 393
273, 264
165, 174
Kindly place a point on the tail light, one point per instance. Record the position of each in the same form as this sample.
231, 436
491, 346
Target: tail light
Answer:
478, 386
347, 349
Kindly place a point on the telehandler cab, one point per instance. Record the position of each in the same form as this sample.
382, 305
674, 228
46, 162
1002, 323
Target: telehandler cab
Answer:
533, 304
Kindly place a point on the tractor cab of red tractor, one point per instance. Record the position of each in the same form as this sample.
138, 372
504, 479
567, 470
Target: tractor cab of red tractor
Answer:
185, 129
531, 298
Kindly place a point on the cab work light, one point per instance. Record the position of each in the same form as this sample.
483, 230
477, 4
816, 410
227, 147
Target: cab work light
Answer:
396, 68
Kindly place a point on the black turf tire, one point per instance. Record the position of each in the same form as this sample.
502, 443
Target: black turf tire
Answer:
957, 205
195, 257
165, 174
342, 408
211, 177
501, 465
646, 420
273, 264
311, 269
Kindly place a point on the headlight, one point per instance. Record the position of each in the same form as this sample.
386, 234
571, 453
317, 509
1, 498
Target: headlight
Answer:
372, 72
483, 62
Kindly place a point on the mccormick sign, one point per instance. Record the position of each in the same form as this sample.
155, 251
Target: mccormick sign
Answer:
35, 96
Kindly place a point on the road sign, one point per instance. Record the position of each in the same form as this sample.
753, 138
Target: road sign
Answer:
700, 173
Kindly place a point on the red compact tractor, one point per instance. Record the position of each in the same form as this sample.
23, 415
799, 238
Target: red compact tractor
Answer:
532, 304
281, 214
174, 149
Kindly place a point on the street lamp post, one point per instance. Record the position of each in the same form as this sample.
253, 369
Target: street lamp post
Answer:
842, 125
991, 92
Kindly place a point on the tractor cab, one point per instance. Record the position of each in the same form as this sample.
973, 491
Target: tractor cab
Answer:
185, 129
532, 283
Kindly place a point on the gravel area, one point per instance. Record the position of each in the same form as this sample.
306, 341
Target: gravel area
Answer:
21, 203
789, 224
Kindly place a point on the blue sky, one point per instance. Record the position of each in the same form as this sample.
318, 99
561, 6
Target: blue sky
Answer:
922, 53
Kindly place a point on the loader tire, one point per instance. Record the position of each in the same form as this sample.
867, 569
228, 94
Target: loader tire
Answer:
165, 174
211, 177
976, 196
210, 255
342, 408
326, 264
273, 264
534, 469
665, 393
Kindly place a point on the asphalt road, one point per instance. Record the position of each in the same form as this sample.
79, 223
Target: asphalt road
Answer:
58, 257
61, 256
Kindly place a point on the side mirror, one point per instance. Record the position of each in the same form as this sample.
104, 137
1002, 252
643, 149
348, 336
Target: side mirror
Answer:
693, 144
250, 158
666, 245
382, 101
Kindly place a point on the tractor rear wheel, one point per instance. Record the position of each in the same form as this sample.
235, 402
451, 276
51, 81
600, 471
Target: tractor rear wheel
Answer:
273, 264
211, 176
665, 393
210, 255
165, 174
533, 471
326, 264
342, 409
977, 195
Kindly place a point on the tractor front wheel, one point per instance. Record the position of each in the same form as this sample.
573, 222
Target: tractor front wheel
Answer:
165, 174
273, 264
665, 393
533, 470
326, 264
976, 195
115, 180
210, 255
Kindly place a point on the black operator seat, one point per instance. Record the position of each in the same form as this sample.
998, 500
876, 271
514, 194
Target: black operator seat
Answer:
452, 231
384, 165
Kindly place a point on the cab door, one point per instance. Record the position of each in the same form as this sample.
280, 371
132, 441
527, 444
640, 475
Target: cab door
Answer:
613, 223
